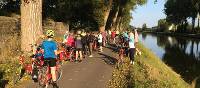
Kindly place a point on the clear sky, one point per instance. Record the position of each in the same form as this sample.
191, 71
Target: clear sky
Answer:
149, 13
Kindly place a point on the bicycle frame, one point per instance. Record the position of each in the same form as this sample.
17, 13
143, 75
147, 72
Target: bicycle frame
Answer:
66, 54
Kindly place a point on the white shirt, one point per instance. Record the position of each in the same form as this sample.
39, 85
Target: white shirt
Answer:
131, 41
100, 38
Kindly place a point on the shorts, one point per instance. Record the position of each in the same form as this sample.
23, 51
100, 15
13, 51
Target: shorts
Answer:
50, 61
78, 49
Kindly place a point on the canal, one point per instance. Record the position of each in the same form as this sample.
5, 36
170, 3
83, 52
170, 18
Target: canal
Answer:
180, 53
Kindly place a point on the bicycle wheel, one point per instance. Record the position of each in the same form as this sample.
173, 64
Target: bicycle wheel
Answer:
58, 73
42, 79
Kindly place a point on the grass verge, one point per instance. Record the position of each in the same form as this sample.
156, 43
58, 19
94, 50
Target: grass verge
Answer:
147, 72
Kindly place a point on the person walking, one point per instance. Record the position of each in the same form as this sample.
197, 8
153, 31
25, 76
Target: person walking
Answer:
49, 47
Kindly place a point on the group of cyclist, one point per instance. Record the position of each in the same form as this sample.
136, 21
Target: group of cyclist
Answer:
87, 42
126, 42
84, 43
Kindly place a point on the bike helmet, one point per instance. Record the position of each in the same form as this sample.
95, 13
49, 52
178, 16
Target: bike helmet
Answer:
79, 32
50, 33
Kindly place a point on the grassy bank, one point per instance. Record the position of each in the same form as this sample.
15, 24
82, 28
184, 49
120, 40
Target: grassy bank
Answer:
147, 72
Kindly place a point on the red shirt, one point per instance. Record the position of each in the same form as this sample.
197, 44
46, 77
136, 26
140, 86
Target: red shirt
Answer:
113, 34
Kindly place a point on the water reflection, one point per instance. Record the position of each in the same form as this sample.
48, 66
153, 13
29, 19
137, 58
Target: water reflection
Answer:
182, 54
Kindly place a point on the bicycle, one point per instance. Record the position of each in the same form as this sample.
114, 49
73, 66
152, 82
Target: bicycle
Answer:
45, 77
29, 68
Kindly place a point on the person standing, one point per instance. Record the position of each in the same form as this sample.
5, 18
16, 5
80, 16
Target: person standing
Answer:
91, 39
84, 43
113, 35
49, 47
131, 47
65, 37
78, 46
100, 42
104, 38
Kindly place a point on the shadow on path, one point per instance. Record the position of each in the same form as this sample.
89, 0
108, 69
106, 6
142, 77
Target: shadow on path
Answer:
108, 59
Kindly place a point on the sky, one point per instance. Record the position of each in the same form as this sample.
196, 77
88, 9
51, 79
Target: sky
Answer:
149, 13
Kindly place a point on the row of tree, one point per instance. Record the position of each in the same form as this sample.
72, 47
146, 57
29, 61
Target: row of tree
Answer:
93, 14
179, 11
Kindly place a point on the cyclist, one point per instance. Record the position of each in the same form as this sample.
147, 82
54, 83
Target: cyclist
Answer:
49, 47
65, 37
84, 43
78, 46
100, 42
126, 39
131, 47
90, 40
113, 35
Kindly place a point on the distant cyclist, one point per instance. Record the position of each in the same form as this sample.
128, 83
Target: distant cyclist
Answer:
49, 47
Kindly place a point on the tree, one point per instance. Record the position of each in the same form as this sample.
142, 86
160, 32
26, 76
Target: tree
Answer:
163, 25
178, 11
144, 26
31, 23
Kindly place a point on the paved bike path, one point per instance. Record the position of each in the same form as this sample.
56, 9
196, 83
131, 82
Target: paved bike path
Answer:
93, 72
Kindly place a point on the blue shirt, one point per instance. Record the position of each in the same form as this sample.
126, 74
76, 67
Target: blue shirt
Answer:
49, 48
125, 36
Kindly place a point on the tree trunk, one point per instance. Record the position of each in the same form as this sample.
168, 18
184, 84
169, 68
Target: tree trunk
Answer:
106, 15
117, 24
31, 23
115, 19
198, 23
193, 23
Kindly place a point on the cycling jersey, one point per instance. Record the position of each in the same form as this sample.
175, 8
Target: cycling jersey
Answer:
49, 48
78, 42
70, 41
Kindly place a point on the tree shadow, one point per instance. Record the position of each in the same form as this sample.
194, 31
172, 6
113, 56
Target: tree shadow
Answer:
2, 81
197, 83
113, 47
108, 59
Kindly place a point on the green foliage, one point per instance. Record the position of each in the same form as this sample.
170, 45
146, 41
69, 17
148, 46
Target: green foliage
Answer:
147, 72
163, 25
81, 13
178, 11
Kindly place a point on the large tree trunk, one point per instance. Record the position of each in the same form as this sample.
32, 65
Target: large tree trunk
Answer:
117, 24
31, 23
115, 19
106, 15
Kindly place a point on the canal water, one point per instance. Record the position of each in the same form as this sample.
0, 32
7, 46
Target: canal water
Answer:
180, 53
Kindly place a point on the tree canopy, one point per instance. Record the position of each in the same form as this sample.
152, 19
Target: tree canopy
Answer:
178, 11
83, 13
